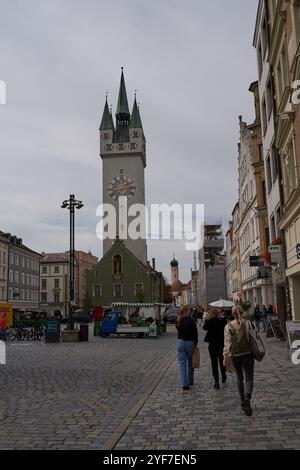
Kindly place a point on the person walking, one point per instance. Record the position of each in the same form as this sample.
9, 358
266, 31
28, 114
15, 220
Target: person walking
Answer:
214, 325
186, 344
257, 317
264, 318
238, 349
3, 327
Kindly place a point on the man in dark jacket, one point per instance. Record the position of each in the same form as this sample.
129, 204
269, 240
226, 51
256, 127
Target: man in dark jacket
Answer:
215, 325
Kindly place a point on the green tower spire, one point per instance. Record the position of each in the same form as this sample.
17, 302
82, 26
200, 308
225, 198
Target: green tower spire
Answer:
135, 121
107, 122
122, 107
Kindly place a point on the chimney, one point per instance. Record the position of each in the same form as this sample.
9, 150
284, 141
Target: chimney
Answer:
153, 263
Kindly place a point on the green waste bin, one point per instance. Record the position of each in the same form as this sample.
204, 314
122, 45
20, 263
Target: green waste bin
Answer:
97, 328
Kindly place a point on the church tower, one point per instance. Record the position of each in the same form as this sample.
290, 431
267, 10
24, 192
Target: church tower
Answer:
123, 153
174, 271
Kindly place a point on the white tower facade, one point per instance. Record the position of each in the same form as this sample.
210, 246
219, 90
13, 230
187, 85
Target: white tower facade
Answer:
123, 153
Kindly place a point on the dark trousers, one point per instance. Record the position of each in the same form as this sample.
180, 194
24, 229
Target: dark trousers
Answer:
244, 366
216, 357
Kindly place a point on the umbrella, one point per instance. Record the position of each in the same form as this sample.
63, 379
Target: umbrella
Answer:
222, 304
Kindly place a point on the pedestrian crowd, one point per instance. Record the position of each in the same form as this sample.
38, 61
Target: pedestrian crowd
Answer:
233, 345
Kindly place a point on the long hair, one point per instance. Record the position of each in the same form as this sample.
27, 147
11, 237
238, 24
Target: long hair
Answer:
184, 313
238, 313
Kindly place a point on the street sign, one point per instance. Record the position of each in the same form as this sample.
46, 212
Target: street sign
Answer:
276, 253
255, 261
298, 250
52, 334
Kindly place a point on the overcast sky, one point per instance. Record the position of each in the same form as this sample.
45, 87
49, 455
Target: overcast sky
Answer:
192, 63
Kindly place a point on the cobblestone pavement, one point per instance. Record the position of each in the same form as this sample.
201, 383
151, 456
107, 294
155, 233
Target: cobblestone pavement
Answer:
75, 396
207, 419
125, 394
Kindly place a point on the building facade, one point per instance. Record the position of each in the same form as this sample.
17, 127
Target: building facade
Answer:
23, 271
273, 174
212, 266
284, 58
55, 282
229, 276
124, 274
3, 268
120, 277
85, 262
254, 281
123, 154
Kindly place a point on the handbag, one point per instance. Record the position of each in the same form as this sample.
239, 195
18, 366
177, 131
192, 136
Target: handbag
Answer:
230, 367
196, 359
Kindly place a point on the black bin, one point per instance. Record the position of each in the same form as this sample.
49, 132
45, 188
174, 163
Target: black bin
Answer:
84, 333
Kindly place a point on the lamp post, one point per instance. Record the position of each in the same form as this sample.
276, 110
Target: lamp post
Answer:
72, 204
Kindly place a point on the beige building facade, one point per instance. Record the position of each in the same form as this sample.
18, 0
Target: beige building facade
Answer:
3, 268
284, 58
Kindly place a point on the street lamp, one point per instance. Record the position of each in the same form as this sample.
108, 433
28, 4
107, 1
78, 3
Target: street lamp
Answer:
72, 204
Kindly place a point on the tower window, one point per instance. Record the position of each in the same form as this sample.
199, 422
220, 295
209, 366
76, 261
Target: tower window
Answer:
118, 288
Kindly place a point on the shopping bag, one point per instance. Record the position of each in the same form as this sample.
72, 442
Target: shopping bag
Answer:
230, 367
196, 359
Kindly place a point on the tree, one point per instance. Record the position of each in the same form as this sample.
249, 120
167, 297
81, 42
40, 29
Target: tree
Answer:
87, 301
168, 297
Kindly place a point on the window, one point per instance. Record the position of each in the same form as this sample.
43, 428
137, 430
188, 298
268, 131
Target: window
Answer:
10, 293
259, 60
261, 153
269, 174
23, 263
11, 258
27, 294
22, 279
44, 298
16, 277
138, 272
56, 283
17, 260
44, 270
275, 167
273, 228
139, 289
56, 298
118, 290
264, 191
97, 290
44, 284
11, 276
289, 170
269, 95
56, 270
264, 36
264, 116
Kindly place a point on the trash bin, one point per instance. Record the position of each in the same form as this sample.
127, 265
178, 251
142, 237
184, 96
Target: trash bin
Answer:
97, 328
84, 333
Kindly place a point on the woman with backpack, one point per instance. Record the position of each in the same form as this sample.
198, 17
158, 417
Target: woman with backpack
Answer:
237, 348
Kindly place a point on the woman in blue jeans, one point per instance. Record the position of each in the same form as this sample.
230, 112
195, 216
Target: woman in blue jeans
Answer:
186, 345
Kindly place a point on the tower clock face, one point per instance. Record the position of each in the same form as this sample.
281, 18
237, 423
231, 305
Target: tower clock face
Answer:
121, 185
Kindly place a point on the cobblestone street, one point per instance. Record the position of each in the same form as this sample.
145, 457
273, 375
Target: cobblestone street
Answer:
125, 394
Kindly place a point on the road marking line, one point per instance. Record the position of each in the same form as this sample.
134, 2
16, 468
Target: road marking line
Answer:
111, 443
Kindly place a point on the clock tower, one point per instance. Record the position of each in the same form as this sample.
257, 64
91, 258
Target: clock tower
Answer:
123, 153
